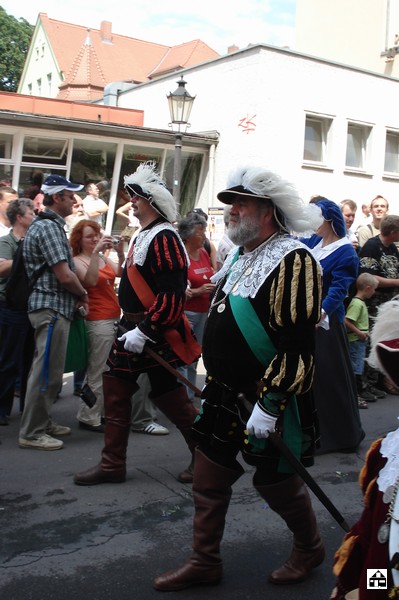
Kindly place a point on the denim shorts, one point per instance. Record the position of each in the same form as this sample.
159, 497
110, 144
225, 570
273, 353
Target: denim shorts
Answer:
357, 351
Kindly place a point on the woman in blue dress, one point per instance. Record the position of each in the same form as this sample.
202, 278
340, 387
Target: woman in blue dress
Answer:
334, 381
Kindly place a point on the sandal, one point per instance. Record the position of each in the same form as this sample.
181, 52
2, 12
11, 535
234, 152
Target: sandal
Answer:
390, 387
362, 403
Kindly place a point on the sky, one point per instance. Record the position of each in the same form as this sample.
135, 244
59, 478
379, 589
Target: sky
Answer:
218, 23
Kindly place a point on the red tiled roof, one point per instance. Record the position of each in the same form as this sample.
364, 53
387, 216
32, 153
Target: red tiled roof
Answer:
112, 57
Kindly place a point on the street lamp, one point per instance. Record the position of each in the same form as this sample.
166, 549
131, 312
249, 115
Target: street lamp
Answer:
180, 105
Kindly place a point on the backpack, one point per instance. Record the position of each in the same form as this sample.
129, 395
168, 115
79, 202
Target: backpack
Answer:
18, 288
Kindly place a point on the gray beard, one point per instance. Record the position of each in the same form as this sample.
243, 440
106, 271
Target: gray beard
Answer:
244, 232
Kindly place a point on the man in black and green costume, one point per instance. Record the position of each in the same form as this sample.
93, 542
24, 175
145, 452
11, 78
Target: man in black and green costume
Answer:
258, 352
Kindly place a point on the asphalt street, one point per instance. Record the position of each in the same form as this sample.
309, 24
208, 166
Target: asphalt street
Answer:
61, 541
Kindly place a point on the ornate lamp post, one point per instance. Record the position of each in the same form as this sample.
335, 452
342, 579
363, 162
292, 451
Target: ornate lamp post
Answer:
180, 105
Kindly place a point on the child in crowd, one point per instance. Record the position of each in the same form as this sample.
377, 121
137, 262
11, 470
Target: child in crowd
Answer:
357, 325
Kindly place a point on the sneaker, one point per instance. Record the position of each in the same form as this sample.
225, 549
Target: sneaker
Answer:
54, 429
43, 442
152, 429
362, 403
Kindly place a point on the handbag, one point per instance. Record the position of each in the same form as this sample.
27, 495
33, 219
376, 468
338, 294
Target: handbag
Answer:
77, 353
88, 396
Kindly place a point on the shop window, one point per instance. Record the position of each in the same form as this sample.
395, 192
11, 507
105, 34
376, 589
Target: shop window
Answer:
93, 161
5, 145
45, 150
132, 157
191, 163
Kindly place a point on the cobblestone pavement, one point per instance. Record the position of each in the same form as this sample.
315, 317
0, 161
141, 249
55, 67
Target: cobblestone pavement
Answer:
60, 541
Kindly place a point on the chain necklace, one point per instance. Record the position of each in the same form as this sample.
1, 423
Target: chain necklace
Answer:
389, 496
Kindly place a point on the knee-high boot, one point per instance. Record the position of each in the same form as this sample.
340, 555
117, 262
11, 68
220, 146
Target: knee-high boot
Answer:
117, 411
179, 409
211, 492
290, 499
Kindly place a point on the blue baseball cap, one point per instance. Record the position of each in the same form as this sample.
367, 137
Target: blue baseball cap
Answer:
54, 184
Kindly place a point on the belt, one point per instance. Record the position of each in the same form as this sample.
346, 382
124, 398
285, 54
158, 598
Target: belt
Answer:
133, 317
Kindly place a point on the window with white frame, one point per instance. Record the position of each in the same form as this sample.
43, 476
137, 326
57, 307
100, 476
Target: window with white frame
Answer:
39, 87
49, 79
357, 142
317, 139
391, 163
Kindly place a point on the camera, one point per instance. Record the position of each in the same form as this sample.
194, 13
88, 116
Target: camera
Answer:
115, 241
82, 311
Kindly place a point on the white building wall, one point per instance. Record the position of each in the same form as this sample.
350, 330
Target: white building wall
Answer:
274, 89
39, 65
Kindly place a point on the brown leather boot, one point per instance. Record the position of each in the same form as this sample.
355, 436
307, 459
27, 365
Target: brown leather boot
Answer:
290, 499
179, 409
187, 476
211, 493
117, 409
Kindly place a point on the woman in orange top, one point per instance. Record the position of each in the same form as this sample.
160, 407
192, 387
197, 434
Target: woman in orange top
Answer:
97, 273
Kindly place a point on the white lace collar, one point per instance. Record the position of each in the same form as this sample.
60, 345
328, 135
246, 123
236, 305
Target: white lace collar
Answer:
144, 239
250, 271
390, 450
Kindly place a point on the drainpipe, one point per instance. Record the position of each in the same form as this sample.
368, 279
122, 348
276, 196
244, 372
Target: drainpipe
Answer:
211, 174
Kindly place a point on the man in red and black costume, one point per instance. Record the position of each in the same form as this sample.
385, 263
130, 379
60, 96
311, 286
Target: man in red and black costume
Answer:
258, 350
151, 295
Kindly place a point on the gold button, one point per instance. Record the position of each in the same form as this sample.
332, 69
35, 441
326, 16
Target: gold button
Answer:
246, 442
234, 424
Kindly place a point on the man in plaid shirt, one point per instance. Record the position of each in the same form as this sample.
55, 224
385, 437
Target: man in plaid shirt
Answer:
55, 296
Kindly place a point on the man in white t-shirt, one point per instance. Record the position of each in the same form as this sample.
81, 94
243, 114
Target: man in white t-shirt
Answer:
93, 206
7, 194
379, 208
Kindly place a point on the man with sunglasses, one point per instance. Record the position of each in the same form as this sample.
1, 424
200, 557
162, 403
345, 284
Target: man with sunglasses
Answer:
56, 294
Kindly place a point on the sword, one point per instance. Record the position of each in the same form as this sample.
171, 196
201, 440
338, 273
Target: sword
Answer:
172, 370
275, 438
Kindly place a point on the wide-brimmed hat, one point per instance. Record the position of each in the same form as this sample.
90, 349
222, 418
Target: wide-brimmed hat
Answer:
54, 184
146, 183
291, 213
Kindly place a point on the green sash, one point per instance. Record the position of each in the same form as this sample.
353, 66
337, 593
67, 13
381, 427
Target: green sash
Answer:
264, 350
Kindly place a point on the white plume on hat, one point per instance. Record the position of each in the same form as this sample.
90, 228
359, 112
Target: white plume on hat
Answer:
262, 182
385, 327
154, 190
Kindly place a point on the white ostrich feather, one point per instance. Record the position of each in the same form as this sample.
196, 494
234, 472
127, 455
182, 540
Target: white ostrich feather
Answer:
298, 216
385, 327
152, 184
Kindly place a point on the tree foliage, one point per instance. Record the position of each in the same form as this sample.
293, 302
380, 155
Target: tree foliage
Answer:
15, 37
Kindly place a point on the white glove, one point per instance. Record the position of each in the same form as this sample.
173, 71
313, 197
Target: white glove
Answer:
134, 340
260, 423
